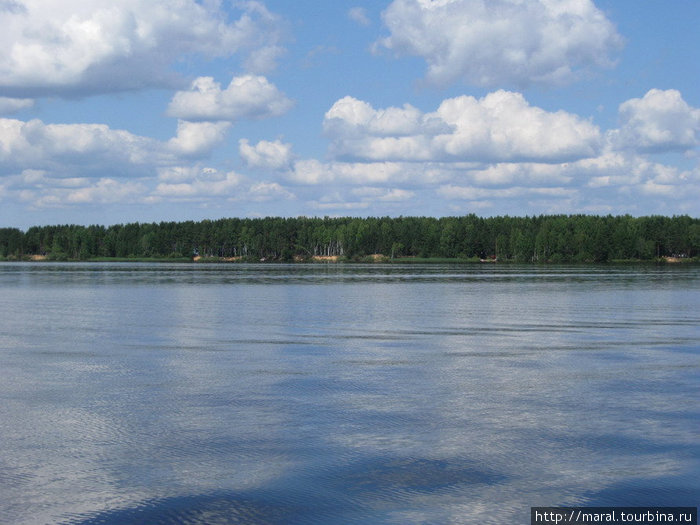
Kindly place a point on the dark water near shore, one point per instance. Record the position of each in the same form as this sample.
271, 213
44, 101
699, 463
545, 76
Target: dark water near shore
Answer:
212, 394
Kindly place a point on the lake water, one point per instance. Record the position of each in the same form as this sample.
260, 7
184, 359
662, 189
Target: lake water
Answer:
333, 394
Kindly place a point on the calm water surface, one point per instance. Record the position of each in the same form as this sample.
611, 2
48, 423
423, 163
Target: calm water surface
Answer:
332, 394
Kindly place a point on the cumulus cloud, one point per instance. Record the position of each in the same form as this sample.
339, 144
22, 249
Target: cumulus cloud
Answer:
197, 183
499, 127
105, 190
524, 173
488, 153
501, 42
198, 138
363, 198
315, 172
264, 59
355, 117
266, 191
96, 150
12, 105
628, 170
338, 206
503, 126
611, 172
40, 191
57, 165
70, 47
383, 194
660, 121
312, 171
175, 174
70, 147
247, 96
265, 154
451, 191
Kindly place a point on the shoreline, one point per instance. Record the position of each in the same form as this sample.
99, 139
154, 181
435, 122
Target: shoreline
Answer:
336, 259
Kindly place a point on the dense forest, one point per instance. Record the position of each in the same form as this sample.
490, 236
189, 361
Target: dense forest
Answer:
545, 238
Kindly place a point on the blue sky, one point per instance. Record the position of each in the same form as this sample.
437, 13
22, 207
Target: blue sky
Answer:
150, 110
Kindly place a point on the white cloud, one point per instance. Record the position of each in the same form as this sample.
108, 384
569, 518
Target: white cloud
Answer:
526, 173
247, 96
44, 192
30, 178
355, 117
363, 198
312, 171
616, 169
450, 191
72, 46
497, 42
653, 188
396, 195
105, 190
264, 32
385, 174
612, 172
67, 147
196, 183
370, 193
56, 165
501, 126
198, 138
617, 173
96, 150
175, 174
339, 205
266, 191
200, 183
264, 59
660, 121
359, 15
589, 184
265, 154
12, 105
33, 176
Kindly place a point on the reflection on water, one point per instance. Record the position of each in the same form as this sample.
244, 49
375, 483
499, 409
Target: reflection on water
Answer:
176, 393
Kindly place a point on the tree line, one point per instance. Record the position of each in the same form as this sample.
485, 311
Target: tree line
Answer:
544, 238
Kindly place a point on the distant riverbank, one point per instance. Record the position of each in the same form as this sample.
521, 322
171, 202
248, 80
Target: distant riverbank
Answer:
369, 259
542, 239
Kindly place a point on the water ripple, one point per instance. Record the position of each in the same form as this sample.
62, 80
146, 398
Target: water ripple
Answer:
187, 394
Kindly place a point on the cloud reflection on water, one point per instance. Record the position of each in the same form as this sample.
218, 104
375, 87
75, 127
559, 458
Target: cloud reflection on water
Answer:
402, 400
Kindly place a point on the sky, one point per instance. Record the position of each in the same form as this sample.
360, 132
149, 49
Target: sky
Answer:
171, 110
